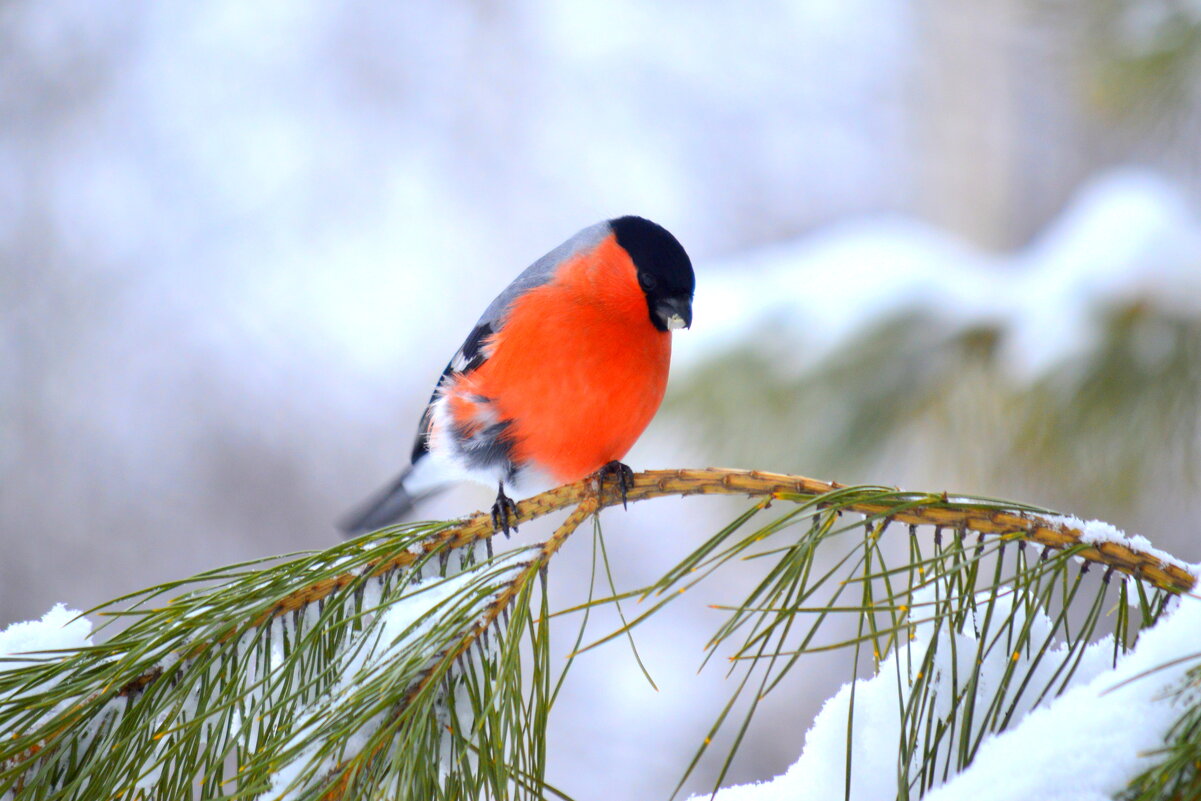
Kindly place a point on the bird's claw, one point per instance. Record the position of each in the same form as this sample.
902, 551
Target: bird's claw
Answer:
624, 476
504, 513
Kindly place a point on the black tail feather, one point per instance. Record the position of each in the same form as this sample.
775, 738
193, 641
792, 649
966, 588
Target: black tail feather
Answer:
387, 506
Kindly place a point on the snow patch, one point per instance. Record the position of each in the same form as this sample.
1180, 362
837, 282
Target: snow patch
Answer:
391, 635
1098, 531
1091, 741
1084, 745
60, 628
1127, 236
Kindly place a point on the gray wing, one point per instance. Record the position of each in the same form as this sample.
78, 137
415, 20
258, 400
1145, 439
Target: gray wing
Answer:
471, 354
539, 273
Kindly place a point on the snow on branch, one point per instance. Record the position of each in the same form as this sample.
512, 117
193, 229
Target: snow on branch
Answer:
379, 663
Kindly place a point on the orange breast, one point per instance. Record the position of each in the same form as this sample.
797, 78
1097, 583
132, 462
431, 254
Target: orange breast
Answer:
578, 367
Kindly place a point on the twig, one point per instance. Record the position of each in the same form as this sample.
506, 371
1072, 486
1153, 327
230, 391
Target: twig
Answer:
907, 508
588, 506
928, 511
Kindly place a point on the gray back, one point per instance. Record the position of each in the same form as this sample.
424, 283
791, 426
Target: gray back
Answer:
541, 272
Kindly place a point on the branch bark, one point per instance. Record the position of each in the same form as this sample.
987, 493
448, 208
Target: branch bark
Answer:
878, 502
908, 508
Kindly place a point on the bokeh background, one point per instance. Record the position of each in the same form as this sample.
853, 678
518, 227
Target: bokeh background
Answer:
940, 245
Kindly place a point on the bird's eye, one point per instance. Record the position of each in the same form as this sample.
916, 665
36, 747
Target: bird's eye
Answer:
647, 281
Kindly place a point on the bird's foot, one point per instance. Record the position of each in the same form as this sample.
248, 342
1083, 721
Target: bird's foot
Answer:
504, 512
623, 475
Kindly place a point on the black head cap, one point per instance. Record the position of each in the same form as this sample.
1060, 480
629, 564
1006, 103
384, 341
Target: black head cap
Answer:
664, 270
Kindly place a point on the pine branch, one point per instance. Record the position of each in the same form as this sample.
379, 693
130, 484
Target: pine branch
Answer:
503, 601
908, 508
441, 702
918, 509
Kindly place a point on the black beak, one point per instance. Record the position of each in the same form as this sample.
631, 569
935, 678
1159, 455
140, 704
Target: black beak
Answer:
674, 313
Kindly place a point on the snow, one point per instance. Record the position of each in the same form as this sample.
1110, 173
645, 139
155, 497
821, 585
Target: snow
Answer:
1084, 745
1097, 531
59, 629
38, 640
819, 774
1128, 235
385, 641
1096, 737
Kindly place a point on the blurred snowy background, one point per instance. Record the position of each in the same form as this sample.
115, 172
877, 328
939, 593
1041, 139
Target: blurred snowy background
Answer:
941, 245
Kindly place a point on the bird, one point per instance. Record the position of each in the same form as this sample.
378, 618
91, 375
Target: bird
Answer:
558, 378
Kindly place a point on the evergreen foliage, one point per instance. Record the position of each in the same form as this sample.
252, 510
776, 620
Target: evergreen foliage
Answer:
413, 662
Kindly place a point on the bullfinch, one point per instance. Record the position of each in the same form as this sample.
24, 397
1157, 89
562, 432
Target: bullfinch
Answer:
559, 376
